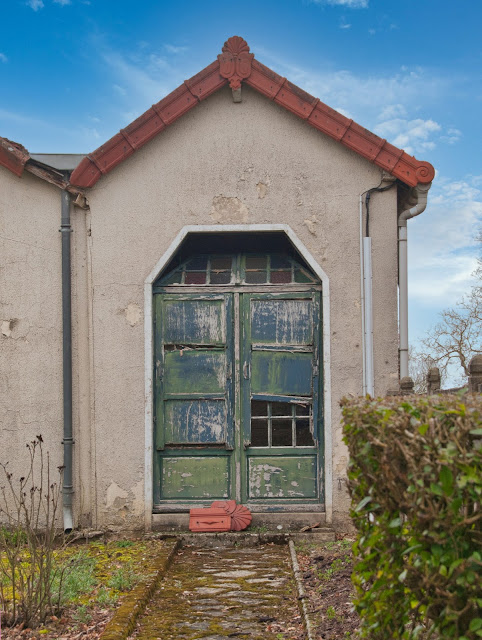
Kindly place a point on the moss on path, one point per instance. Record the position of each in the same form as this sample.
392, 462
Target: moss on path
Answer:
219, 593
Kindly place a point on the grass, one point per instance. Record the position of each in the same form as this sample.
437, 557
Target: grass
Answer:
98, 575
123, 579
80, 578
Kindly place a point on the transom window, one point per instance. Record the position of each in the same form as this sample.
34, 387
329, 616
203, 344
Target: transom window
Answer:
216, 269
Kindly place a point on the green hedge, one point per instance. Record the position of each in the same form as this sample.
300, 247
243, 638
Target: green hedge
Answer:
415, 479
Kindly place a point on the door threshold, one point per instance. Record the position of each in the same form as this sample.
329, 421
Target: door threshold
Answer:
286, 522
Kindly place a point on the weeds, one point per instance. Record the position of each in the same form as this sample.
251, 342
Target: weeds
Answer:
82, 614
123, 544
123, 579
105, 598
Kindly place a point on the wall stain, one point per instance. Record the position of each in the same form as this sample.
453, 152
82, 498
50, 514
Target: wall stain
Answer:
229, 210
133, 313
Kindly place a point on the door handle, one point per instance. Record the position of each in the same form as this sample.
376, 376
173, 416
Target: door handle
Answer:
246, 370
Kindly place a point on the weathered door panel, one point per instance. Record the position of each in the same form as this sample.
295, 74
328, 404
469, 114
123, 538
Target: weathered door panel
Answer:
197, 477
194, 396
195, 421
283, 322
281, 373
194, 321
196, 372
282, 477
280, 388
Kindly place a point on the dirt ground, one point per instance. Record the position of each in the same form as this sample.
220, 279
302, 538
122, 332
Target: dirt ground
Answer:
325, 568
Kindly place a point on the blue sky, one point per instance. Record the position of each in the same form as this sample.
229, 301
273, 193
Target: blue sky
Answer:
73, 72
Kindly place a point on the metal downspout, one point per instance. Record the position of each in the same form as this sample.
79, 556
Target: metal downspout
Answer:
421, 194
67, 491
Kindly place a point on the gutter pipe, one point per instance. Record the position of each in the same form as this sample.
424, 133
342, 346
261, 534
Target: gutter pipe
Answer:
362, 296
67, 490
366, 281
420, 193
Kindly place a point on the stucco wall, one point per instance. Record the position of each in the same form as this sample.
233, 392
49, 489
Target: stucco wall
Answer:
230, 164
30, 319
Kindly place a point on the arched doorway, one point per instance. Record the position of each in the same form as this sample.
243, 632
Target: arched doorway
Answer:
238, 409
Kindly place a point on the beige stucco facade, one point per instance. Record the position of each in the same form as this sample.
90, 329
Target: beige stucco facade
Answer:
223, 163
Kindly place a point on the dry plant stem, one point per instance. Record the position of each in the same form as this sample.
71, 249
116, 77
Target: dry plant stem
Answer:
28, 541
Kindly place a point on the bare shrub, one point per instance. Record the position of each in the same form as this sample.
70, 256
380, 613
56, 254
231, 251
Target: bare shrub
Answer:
30, 576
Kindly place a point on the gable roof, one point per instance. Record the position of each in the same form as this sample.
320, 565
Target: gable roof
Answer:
236, 65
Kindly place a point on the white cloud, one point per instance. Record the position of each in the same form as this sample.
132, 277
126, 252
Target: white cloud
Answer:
35, 4
410, 135
367, 95
3, 57
170, 48
442, 247
63, 3
344, 25
351, 4
453, 135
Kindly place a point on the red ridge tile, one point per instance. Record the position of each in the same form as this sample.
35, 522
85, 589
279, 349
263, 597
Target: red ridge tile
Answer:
110, 154
148, 125
13, 156
295, 100
85, 174
206, 82
329, 121
176, 104
264, 80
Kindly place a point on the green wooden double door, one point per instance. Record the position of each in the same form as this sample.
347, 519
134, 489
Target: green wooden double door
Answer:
237, 398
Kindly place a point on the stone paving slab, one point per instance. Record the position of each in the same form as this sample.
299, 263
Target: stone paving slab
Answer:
226, 592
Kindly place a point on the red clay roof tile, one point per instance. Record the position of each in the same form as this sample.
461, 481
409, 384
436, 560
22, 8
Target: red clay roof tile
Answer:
13, 156
234, 65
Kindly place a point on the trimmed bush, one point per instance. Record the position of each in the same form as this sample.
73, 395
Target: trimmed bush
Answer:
415, 479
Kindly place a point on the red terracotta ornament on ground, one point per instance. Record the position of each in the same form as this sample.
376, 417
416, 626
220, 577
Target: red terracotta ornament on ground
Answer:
220, 516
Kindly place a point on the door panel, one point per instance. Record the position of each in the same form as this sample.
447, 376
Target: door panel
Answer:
195, 422
202, 477
280, 409
194, 321
282, 322
194, 372
282, 477
281, 373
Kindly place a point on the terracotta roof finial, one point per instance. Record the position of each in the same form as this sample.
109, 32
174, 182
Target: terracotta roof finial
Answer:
235, 61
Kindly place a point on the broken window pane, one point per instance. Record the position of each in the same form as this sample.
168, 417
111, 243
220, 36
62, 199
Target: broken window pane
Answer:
304, 437
281, 409
259, 433
281, 433
220, 277
259, 408
302, 409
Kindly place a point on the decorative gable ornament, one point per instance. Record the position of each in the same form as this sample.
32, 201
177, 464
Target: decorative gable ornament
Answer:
235, 61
